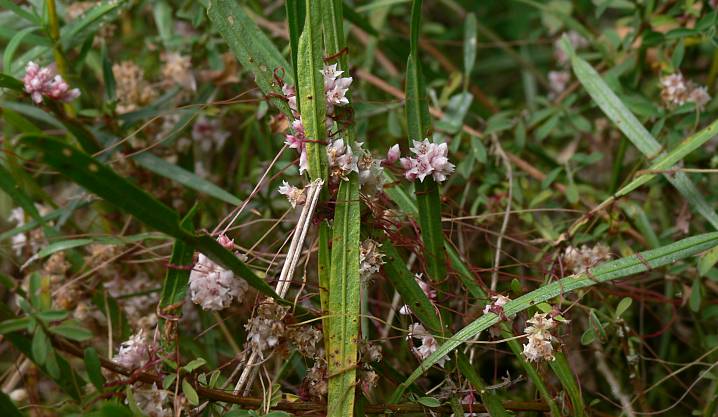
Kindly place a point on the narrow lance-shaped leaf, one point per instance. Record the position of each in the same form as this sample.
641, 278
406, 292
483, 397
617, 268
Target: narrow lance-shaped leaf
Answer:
310, 91
608, 271
174, 287
251, 47
103, 181
622, 117
421, 307
418, 123
344, 282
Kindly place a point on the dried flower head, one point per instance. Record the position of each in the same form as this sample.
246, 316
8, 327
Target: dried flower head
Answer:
307, 340
316, 381
177, 69
371, 171
369, 352
675, 91
581, 260
370, 259
214, 287
45, 82
539, 338
266, 328
153, 401
295, 196
133, 91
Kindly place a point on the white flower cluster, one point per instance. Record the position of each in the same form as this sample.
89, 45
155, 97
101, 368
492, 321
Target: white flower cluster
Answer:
208, 133
266, 328
45, 82
428, 342
496, 306
430, 159
675, 91
575, 39
539, 345
213, 287
133, 353
428, 291
295, 196
580, 260
370, 259
153, 401
335, 89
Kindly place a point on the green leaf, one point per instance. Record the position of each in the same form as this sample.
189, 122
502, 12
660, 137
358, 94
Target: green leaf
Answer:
617, 112
194, 364
52, 315
563, 372
174, 287
696, 297
189, 392
429, 402
181, 176
40, 346
469, 44
296, 14
94, 368
7, 56
623, 305
101, 180
14, 325
72, 330
251, 47
608, 271
418, 123
310, 90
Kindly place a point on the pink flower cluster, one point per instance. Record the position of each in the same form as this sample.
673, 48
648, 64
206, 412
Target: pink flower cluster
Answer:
335, 89
430, 160
213, 287
43, 81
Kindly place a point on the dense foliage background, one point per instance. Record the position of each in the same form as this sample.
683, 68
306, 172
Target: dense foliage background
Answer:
192, 232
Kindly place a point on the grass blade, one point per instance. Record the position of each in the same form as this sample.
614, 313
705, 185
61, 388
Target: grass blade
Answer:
403, 281
627, 122
251, 47
103, 181
180, 175
418, 123
608, 271
310, 90
344, 283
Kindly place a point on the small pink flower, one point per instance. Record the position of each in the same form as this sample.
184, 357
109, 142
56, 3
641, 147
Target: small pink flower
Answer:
226, 242
43, 81
431, 159
393, 155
